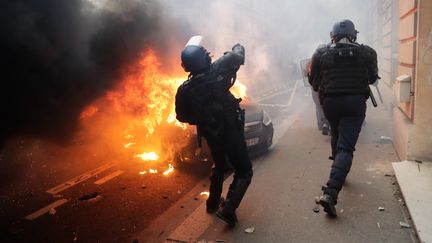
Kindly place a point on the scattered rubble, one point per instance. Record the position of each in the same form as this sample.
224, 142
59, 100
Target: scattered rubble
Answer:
249, 230
88, 196
384, 139
165, 197
143, 186
381, 208
316, 209
52, 211
95, 199
379, 225
179, 192
404, 224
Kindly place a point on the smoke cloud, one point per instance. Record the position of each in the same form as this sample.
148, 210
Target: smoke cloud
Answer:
60, 55
277, 34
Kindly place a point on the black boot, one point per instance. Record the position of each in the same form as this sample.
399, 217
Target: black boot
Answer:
235, 195
214, 205
227, 214
328, 200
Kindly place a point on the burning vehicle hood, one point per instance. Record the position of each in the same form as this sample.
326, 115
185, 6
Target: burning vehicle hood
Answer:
252, 111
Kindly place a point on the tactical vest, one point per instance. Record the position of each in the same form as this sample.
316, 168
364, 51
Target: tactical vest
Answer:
344, 70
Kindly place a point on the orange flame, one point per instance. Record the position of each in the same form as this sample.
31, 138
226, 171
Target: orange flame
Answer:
239, 90
153, 171
139, 114
150, 156
170, 170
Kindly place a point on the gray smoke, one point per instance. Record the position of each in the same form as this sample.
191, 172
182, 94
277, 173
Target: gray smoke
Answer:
59, 55
277, 34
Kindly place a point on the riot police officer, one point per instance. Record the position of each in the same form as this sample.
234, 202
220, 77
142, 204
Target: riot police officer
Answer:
341, 72
220, 120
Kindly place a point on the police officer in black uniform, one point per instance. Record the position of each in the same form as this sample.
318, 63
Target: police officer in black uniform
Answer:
224, 132
341, 72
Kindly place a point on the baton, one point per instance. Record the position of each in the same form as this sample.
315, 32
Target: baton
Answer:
374, 103
379, 94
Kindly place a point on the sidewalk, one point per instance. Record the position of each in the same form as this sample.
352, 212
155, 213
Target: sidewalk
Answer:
280, 201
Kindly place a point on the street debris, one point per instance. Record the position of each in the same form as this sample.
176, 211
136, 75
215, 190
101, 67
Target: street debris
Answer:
379, 225
317, 200
249, 230
205, 194
75, 238
57, 196
143, 186
385, 139
380, 208
196, 199
220, 241
88, 196
180, 241
316, 209
52, 211
165, 197
179, 192
404, 224
388, 174
95, 199
342, 210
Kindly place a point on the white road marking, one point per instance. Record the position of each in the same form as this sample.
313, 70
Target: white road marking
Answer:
46, 209
264, 97
293, 93
108, 177
273, 105
80, 178
193, 226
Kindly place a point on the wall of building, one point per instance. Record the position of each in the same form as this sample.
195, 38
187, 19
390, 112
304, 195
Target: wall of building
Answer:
407, 50
420, 140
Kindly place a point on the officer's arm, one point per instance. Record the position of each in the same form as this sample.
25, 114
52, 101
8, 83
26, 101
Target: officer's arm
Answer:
232, 60
228, 65
314, 79
373, 65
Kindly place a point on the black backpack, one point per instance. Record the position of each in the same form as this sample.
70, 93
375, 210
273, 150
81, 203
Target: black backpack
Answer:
195, 102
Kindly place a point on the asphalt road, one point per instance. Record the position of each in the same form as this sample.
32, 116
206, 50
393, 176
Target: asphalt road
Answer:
73, 193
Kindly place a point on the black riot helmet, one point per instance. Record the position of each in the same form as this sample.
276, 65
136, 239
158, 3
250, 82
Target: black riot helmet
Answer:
195, 58
344, 28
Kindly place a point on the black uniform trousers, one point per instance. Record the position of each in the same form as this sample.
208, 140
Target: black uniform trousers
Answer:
230, 151
345, 115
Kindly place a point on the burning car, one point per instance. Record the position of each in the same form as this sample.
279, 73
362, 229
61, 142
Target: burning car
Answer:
258, 127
